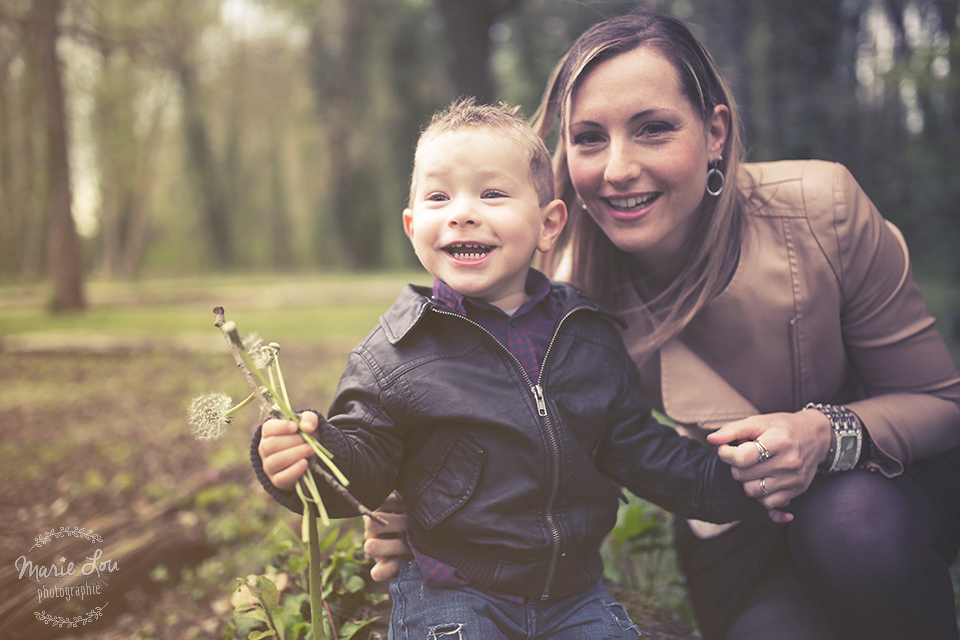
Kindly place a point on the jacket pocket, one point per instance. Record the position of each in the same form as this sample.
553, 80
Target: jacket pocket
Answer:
441, 477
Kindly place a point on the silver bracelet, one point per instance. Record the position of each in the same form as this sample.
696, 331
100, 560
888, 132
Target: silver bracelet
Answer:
849, 437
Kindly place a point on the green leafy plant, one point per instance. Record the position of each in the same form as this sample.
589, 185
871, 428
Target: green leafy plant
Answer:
639, 554
275, 604
210, 414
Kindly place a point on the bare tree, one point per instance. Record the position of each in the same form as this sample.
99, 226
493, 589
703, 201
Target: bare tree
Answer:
468, 30
66, 267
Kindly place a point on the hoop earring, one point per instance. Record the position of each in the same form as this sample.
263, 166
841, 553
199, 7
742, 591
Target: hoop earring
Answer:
715, 176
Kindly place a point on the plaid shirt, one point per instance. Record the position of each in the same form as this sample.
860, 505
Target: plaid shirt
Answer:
526, 334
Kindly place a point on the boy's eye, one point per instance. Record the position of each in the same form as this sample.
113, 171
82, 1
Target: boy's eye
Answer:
493, 193
437, 197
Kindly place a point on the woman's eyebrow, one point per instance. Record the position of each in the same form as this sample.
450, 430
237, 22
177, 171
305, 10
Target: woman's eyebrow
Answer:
640, 115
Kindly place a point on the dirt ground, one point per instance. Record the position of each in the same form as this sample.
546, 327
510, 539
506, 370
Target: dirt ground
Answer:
96, 443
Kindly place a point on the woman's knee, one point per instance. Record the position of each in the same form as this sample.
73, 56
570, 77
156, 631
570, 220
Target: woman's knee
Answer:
854, 526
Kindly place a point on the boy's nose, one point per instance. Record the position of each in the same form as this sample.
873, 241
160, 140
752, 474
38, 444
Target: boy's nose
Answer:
462, 214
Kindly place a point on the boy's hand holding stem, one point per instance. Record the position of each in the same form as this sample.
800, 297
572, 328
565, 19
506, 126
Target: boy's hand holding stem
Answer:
284, 451
289, 440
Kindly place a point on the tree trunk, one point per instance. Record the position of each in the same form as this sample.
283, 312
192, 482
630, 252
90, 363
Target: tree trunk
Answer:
468, 30
9, 221
139, 223
63, 242
207, 175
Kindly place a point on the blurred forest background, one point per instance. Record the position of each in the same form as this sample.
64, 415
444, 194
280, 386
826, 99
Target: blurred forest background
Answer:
160, 157
146, 138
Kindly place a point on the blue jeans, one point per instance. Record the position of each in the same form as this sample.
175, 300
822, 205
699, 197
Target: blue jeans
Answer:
465, 613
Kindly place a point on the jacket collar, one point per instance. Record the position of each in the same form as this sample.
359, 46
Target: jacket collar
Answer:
414, 302
537, 288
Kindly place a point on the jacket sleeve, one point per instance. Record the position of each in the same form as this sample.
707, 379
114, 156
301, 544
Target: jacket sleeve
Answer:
656, 463
365, 444
912, 408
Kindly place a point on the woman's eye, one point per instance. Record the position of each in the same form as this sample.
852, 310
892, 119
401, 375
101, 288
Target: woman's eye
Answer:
588, 137
656, 128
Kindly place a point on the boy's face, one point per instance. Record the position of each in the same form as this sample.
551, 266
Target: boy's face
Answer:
476, 219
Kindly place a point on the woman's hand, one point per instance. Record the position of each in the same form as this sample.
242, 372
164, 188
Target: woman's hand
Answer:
383, 543
797, 444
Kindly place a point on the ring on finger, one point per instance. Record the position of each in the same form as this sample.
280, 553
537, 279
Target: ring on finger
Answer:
763, 487
764, 452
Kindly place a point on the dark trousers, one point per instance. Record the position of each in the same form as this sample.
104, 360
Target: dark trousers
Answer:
865, 557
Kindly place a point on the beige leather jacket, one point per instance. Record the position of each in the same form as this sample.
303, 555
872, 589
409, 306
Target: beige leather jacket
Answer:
822, 308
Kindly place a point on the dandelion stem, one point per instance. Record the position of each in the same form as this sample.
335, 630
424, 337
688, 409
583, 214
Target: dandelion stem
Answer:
316, 588
250, 398
325, 457
276, 365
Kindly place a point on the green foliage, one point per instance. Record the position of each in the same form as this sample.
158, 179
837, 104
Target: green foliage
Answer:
638, 554
284, 611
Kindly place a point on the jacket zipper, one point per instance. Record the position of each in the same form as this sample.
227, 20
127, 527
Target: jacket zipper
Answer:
537, 391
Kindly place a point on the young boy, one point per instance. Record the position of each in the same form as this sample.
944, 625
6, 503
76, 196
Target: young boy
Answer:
502, 407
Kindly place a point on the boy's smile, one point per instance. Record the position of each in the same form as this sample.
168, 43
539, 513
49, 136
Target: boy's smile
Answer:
476, 219
468, 250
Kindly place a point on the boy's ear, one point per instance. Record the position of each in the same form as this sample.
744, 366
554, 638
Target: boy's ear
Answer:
554, 219
408, 223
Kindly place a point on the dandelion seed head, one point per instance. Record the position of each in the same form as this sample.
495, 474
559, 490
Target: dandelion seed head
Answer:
253, 345
252, 342
268, 354
208, 415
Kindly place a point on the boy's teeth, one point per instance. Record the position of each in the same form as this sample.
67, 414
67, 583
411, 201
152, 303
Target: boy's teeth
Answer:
629, 203
468, 251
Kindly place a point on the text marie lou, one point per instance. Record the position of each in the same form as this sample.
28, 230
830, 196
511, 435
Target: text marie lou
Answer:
42, 572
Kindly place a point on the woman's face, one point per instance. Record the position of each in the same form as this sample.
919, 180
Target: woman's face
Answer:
638, 151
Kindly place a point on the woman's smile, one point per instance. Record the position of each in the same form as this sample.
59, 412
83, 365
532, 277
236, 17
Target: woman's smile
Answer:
631, 208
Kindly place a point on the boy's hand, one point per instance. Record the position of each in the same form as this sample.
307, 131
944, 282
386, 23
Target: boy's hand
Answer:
283, 452
780, 516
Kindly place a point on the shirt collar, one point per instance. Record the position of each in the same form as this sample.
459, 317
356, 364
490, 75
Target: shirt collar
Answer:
537, 288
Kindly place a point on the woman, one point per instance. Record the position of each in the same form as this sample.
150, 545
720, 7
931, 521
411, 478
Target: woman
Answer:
769, 305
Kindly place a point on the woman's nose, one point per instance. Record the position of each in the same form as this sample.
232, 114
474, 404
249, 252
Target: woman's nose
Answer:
623, 165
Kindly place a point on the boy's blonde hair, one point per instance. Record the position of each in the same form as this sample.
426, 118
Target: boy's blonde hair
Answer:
500, 118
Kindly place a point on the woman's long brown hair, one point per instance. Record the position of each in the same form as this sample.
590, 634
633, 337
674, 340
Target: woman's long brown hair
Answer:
598, 266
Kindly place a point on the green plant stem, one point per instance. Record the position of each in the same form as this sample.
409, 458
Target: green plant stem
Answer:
250, 398
316, 599
282, 385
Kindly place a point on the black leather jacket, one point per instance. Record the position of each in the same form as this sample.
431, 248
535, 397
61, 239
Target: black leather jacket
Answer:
512, 481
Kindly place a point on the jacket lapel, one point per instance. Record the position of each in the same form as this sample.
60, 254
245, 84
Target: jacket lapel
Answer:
692, 392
